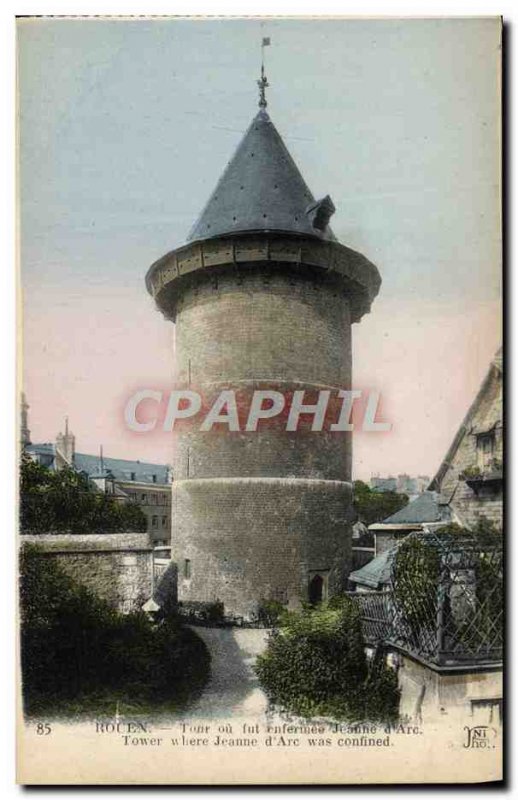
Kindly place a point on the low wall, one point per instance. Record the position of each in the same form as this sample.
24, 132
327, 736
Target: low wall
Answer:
118, 567
427, 694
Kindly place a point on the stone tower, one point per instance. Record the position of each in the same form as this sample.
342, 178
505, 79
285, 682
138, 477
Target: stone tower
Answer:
262, 296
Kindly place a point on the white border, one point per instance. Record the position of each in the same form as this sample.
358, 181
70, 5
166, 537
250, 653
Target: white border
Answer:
11, 8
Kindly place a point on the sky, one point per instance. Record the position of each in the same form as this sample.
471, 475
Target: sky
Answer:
124, 129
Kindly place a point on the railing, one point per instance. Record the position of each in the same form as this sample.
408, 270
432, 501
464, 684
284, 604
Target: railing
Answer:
452, 619
376, 615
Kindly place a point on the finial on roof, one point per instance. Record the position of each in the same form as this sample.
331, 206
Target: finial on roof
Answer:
263, 81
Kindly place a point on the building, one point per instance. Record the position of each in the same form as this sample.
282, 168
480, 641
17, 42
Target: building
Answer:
375, 575
403, 484
147, 485
471, 475
429, 509
467, 487
379, 484
262, 295
440, 622
362, 545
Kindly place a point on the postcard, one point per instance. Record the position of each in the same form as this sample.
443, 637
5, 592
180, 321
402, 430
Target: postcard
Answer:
260, 400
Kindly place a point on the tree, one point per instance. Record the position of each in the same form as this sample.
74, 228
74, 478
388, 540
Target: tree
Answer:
372, 506
65, 500
80, 655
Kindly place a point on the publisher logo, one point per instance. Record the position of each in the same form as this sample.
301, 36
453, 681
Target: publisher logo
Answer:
479, 737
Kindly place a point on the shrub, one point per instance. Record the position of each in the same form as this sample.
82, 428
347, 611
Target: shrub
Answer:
270, 613
79, 655
202, 611
471, 472
316, 664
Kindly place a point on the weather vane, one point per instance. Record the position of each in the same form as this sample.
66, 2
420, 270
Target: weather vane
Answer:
263, 81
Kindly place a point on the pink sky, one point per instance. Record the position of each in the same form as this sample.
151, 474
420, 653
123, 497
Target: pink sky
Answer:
125, 127
426, 361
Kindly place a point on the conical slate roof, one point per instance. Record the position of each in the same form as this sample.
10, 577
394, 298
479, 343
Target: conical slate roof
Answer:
262, 189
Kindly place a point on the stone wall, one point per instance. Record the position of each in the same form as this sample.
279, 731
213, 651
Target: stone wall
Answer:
428, 695
117, 567
468, 504
249, 539
265, 323
256, 515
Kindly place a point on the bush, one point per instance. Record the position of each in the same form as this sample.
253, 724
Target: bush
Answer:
80, 656
202, 611
270, 613
316, 664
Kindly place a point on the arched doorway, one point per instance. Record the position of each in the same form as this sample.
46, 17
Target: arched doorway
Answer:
316, 590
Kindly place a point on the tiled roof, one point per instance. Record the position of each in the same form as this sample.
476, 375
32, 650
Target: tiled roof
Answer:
262, 190
121, 469
377, 572
428, 507
45, 448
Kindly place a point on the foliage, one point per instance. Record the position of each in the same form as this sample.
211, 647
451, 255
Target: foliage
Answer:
494, 465
65, 500
416, 580
80, 656
315, 663
215, 611
486, 532
270, 612
202, 611
488, 601
448, 591
372, 506
471, 472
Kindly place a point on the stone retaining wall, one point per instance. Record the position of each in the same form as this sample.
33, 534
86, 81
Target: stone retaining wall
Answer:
118, 567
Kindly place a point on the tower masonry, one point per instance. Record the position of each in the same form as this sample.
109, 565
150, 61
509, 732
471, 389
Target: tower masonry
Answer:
262, 296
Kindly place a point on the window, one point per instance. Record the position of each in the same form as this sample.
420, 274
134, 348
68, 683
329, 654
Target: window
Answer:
132, 476
187, 568
154, 521
164, 522
144, 498
154, 478
485, 449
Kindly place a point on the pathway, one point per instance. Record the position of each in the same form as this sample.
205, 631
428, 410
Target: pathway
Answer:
233, 688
